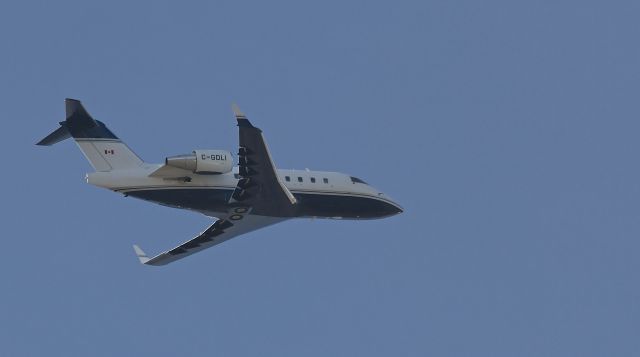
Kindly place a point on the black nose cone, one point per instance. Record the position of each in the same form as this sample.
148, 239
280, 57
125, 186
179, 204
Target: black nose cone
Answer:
393, 209
386, 209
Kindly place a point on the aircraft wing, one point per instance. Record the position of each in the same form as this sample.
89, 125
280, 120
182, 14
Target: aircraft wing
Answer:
260, 186
260, 199
238, 222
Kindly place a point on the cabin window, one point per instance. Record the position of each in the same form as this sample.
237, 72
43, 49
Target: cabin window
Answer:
299, 179
325, 180
313, 180
287, 178
357, 180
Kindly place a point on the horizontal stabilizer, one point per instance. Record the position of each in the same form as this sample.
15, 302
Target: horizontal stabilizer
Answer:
56, 136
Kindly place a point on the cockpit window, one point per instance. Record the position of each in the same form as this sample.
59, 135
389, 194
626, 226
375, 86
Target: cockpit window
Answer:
357, 180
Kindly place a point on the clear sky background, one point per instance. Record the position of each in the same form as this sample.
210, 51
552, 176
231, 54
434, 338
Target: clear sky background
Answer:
508, 130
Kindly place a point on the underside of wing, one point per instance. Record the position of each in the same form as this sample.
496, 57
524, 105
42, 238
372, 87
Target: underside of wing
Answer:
222, 230
259, 186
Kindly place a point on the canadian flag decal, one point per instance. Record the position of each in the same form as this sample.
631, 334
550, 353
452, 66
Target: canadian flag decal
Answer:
108, 151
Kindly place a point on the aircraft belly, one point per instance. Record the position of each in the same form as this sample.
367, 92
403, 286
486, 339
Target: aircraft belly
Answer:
309, 204
198, 199
342, 206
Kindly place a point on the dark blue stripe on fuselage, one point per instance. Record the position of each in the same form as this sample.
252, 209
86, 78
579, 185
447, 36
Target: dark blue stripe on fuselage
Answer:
309, 204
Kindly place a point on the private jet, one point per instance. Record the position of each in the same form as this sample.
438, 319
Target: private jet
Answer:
248, 196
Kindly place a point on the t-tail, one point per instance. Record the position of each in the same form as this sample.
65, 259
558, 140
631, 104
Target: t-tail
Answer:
99, 145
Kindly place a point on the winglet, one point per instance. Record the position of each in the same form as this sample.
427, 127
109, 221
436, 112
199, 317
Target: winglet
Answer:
242, 119
237, 111
142, 256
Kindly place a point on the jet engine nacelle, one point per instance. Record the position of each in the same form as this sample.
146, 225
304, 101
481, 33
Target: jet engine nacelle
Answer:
203, 161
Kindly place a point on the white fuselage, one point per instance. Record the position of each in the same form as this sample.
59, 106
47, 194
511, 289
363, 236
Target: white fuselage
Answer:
329, 189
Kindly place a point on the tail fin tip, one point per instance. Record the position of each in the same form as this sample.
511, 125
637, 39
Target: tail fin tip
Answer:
100, 146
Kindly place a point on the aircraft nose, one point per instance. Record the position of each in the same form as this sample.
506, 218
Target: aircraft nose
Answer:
395, 208
391, 207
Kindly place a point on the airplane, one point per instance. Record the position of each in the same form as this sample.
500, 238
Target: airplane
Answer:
252, 195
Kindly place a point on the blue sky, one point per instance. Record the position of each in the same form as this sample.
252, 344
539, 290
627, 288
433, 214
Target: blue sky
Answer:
507, 130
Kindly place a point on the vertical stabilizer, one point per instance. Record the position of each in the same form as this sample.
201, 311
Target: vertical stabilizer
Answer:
99, 145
